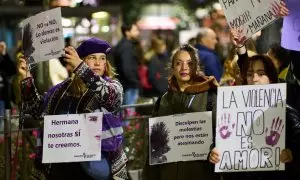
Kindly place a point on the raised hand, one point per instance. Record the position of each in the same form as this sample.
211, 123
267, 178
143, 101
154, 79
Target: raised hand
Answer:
237, 38
275, 132
71, 57
22, 67
225, 126
280, 9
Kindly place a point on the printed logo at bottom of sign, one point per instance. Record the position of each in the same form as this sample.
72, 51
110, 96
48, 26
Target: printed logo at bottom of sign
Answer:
85, 156
195, 155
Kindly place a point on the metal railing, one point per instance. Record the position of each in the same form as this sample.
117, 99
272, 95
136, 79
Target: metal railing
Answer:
8, 133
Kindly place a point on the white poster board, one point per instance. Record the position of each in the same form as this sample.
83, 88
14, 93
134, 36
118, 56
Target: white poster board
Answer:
72, 138
250, 129
42, 36
182, 137
249, 16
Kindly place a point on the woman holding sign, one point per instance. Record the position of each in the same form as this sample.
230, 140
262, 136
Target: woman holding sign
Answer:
260, 70
189, 91
92, 89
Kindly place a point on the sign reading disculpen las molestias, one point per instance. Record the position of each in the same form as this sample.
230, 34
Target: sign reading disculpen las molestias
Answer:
250, 128
250, 16
181, 137
72, 138
42, 36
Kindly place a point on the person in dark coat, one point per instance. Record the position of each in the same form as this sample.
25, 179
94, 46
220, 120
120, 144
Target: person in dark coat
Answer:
158, 72
7, 70
207, 40
126, 63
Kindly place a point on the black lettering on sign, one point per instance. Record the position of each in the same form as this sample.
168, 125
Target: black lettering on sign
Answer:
229, 3
255, 120
232, 101
260, 21
240, 160
253, 159
240, 20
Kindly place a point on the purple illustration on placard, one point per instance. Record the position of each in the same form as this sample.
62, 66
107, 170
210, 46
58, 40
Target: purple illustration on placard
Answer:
275, 132
225, 126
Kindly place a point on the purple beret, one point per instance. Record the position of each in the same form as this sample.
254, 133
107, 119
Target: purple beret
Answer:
93, 45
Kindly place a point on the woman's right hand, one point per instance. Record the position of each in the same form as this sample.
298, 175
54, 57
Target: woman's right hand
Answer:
236, 38
214, 156
23, 68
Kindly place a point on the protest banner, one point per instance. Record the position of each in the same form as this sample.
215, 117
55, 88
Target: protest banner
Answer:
250, 16
290, 36
181, 137
250, 128
42, 36
72, 138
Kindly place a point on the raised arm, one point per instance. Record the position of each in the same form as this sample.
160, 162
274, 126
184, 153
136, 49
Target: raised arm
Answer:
31, 99
110, 92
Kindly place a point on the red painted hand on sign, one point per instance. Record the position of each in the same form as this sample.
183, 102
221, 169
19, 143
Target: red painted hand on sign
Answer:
225, 126
275, 132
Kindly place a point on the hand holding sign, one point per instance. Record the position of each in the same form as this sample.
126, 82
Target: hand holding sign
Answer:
286, 156
280, 9
214, 156
22, 68
236, 37
275, 132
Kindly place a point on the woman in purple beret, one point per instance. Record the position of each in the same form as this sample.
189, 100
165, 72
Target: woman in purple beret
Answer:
91, 89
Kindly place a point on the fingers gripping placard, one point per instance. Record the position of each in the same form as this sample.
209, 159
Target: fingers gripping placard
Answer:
250, 131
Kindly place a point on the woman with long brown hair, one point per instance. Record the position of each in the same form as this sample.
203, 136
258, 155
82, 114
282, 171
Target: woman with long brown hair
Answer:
189, 91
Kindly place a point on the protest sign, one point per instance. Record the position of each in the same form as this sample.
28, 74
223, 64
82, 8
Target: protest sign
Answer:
250, 130
72, 138
250, 16
42, 36
182, 137
290, 36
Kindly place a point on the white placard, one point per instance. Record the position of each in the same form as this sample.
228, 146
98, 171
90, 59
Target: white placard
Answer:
72, 138
182, 137
249, 16
250, 129
42, 36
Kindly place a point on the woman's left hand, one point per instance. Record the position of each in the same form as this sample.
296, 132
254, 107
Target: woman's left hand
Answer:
286, 156
71, 57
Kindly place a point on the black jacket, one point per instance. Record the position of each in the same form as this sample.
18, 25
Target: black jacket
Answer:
158, 74
7, 70
126, 62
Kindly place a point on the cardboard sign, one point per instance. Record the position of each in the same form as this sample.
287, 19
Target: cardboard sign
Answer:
182, 137
250, 131
249, 16
42, 36
72, 138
